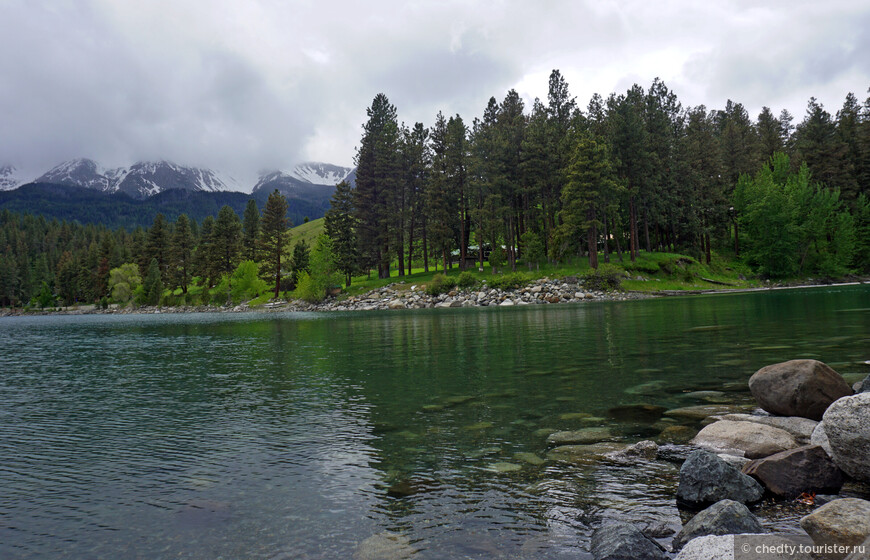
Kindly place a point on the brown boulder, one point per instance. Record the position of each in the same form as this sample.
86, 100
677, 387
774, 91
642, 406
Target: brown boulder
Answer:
790, 473
798, 388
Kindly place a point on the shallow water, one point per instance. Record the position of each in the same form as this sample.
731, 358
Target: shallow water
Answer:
301, 435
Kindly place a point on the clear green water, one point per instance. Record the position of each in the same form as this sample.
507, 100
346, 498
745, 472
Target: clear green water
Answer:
280, 436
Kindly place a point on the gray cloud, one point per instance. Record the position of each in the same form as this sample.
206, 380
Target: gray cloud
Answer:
242, 86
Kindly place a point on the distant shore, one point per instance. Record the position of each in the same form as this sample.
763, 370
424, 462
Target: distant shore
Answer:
404, 296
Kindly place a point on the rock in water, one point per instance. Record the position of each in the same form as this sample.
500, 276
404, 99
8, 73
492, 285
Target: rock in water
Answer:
847, 425
753, 439
725, 517
800, 428
790, 473
641, 450
384, 546
844, 522
863, 386
798, 388
580, 437
621, 541
706, 479
729, 547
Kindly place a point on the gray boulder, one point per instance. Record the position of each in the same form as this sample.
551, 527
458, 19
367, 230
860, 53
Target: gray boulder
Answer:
844, 522
725, 517
800, 428
621, 541
706, 479
580, 437
847, 425
863, 386
798, 388
820, 438
754, 440
791, 473
861, 554
731, 547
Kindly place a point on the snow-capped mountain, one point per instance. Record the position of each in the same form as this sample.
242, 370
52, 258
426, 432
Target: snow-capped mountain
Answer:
310, 178
10, 178
140, 180
304, 180
80, 173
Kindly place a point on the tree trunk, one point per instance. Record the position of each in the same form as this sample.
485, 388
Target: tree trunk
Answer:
736, 238
411, 243
632, 229
606, 240
425, 248
592, 238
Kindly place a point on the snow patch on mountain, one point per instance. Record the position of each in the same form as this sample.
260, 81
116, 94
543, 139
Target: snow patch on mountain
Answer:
319, 173
10, 177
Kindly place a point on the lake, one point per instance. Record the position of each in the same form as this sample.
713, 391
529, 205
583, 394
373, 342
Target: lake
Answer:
303, 435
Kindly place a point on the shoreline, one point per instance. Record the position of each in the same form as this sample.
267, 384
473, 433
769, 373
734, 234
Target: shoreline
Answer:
399, 296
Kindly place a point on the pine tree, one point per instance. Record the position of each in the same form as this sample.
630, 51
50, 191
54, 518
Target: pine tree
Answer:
300, 261
152, 286
157, 246
181, 253
770, 134
273, 237
227, 240
251, 231
441, 201
341, 228
378, 176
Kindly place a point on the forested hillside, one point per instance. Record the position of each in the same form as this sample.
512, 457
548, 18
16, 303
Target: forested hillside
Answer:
632, 172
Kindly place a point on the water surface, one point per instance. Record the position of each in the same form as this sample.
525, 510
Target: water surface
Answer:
302, 435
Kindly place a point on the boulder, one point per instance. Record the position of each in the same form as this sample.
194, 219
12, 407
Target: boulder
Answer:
800, 428
847, 425
725, 517
580, 437
862, 386
708, 548
742, 547
621, 541
820, 438
862, 553
753, 439
843, 522
798, 388
396, 304
790, 473
706, 479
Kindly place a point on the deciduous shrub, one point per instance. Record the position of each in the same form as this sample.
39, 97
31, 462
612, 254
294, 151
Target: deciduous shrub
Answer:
606, 277
440, 284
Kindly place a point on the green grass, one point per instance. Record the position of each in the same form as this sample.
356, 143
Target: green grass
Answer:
661, 272
306, 232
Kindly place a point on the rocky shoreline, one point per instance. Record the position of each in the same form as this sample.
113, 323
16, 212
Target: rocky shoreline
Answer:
810, 443
394, 296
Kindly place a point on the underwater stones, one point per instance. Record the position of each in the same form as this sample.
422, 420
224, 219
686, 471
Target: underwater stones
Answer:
574, 416
384, 546
529, 458
752, 439
580, 437
677, 434
432, 408
703, 411
636, 412
457, 400
706, 479
798, 388
790, 473
847, 425
584, 454
477, 426
503, 467
648, 388
641, 450
725, 517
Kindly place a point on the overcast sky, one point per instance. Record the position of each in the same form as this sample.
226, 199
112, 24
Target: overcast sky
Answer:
245, 85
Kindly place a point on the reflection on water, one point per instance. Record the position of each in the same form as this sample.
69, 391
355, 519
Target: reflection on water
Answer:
300, 436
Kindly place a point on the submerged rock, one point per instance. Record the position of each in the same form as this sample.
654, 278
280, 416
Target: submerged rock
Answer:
703, 411
798, 388
847, 425
504, 467
621, 541
725, 517
583, 454
384, 546
790, 473
677, 434
579, 437
636, 412
529, 458
641, 450
752, 439
706, 479
845, 522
